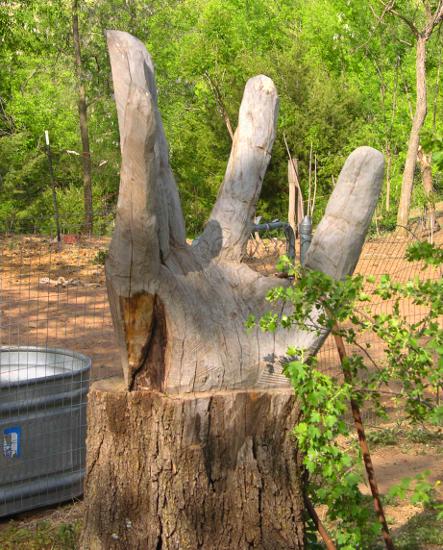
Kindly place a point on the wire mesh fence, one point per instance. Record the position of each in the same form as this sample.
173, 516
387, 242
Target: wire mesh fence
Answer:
382, 254
57, 299
54, 324
385, 255
264, 248
56, 334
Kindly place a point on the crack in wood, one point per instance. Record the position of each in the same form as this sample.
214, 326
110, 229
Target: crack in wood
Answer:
151, 366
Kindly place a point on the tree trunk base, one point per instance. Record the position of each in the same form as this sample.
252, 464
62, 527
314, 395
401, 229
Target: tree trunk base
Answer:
197, 471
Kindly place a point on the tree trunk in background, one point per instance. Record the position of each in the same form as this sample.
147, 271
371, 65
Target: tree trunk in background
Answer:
295, 209
424, 161
201, 471
83, 115
388, 176
292, 206
414, 136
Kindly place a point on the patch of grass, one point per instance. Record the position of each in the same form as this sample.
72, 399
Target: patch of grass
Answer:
421, 530
382, 437
13, 243
100, 257
41, 535
389, 500
424, 436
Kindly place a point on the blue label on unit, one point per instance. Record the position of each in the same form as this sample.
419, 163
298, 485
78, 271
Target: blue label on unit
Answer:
11, 442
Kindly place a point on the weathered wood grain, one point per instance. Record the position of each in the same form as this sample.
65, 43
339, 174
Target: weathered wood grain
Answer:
132, 67
230, 222
180, 311
196, 451
339, 237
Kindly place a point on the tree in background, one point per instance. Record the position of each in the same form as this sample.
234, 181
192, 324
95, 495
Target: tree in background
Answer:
425, 17
344, 79
83, 118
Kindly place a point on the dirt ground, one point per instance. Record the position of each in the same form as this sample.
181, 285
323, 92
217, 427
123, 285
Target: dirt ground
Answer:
58, 299
407, 459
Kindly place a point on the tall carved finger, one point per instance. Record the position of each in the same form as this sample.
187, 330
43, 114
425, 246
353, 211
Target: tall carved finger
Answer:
338, 240
229, 226
149, 217
132, 66
134, 254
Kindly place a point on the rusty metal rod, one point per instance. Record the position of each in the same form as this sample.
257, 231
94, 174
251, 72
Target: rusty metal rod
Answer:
370, 472
319, 525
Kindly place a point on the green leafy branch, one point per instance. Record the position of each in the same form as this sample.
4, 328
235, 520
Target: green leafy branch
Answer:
413, 352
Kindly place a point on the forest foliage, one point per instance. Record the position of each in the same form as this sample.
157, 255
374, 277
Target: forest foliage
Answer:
345, 73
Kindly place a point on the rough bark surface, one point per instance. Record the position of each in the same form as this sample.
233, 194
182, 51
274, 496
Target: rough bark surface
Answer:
424, 161
432, 20
207, 471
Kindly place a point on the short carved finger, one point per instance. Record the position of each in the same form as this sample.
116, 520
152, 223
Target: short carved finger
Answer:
338, 240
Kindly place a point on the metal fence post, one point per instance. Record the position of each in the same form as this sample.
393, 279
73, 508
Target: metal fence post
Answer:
305, 229
54, 193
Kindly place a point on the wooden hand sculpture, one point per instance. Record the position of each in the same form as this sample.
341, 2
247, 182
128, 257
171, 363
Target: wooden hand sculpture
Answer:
179, 311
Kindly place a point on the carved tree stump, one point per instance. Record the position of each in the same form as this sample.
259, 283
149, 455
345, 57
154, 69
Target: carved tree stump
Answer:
195, 471
194, 449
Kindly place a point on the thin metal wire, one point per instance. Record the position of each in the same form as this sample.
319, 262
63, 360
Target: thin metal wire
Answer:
381, 254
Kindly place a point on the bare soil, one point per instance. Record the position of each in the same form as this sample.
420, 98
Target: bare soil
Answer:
57, 299
414, 452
